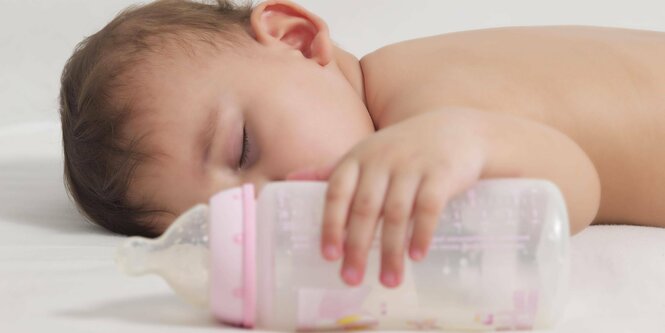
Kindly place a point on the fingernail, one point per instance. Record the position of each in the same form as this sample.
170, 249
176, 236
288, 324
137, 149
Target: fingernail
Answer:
350, 274
389, 279
416, 254
331, 251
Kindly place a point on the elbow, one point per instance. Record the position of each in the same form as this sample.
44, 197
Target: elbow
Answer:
583, 199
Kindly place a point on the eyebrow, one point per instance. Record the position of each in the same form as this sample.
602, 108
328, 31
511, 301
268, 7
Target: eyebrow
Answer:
206, 134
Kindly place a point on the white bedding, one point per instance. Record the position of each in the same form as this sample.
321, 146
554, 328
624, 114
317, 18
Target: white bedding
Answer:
56, 271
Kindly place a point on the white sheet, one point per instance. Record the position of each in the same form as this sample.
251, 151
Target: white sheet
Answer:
57, 272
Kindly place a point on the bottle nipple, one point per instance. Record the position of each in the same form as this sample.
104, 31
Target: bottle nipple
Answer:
180, 255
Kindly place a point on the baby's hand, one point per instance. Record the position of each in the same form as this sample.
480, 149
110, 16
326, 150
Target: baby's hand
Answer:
406, 171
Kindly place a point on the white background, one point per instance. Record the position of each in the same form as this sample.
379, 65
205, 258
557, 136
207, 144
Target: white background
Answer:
37, 36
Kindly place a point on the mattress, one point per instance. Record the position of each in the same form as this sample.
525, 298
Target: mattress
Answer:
57, 272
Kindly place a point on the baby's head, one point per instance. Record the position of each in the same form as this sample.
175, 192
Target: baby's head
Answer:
154, 107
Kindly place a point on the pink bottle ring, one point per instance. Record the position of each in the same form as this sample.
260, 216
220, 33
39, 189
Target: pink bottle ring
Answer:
232, 256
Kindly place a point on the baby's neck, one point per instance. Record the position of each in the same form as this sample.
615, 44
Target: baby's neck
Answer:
350, 67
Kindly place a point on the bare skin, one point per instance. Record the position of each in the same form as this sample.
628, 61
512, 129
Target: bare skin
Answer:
403, 129
602, 87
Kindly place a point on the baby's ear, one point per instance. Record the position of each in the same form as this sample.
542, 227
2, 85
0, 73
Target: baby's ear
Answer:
283, 23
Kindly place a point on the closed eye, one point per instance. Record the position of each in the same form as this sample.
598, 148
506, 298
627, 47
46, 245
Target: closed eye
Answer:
245, 149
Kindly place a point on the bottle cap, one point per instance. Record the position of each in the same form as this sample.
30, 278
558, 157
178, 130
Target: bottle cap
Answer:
232, 261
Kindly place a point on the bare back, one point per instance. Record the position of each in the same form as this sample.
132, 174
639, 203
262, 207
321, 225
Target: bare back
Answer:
603, 87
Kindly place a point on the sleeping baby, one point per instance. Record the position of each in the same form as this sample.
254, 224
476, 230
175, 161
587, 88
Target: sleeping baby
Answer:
176, 100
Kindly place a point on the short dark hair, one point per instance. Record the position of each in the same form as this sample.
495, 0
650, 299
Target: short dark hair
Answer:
94, 108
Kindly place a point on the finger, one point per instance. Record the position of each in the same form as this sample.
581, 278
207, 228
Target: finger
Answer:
363, 218
432, 196
341, 186
396, 215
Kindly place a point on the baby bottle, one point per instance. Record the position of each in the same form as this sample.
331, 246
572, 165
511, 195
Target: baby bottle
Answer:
499, 260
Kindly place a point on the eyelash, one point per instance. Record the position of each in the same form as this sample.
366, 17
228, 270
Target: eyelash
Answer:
245, 148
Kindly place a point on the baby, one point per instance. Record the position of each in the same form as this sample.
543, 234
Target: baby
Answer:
174, 101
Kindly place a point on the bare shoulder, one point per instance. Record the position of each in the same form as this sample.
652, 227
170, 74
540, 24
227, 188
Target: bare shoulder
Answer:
601, 86
459, 67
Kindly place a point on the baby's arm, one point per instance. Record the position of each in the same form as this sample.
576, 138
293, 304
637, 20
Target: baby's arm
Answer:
530, 149
424, 160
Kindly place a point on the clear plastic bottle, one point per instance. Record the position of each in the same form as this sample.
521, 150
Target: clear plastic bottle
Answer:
499, 260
